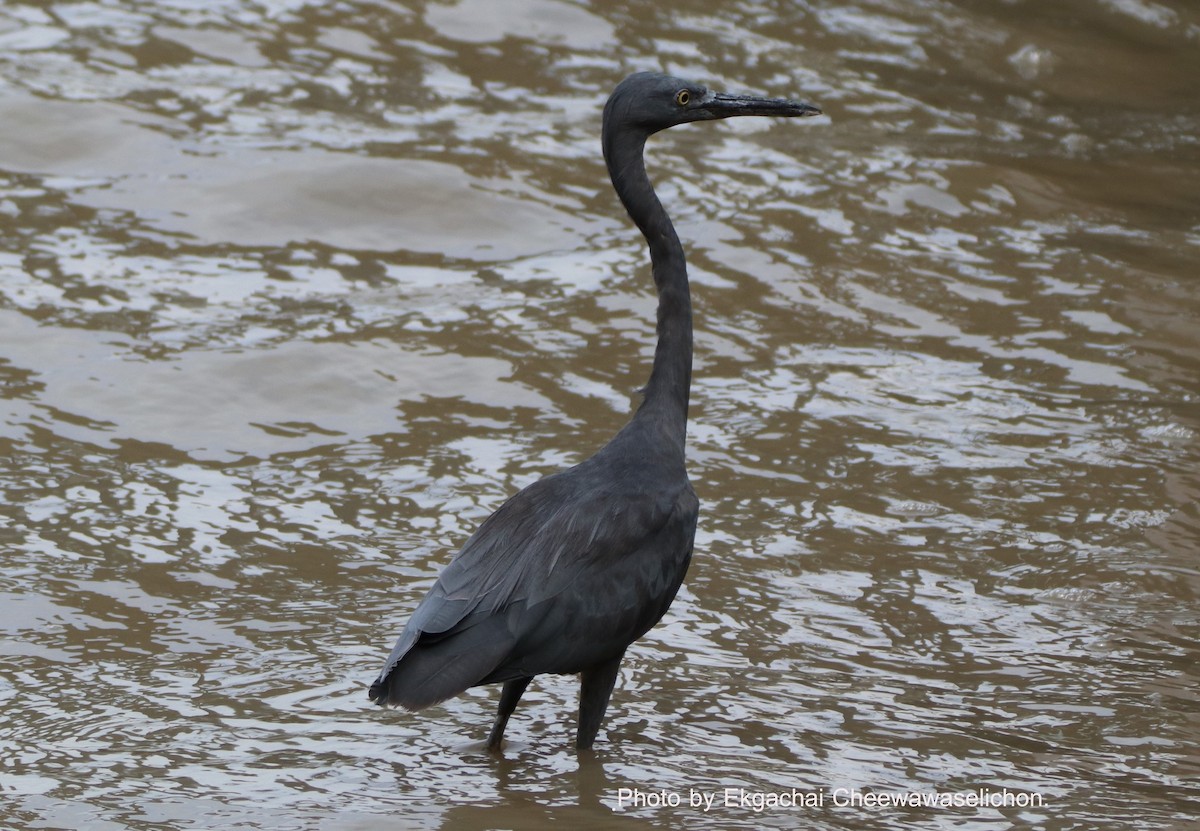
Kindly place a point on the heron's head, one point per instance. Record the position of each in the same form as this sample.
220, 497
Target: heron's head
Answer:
647, 102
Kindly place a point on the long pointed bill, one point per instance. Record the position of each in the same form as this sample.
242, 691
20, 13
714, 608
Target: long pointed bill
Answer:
721, 105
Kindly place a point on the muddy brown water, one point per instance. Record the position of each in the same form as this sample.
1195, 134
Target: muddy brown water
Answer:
292, 294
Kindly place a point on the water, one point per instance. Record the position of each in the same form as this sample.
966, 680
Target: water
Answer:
292, 294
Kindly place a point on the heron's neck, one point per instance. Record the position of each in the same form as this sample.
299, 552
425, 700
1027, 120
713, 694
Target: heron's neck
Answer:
666, 394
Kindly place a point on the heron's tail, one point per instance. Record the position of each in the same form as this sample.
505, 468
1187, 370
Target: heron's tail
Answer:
433, 669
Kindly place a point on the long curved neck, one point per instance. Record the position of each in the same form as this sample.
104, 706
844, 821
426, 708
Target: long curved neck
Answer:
666, 394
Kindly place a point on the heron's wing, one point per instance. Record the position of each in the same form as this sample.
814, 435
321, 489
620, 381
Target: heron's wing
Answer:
545, 538
551, 534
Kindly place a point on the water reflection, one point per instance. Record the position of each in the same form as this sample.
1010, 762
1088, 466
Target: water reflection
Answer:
294, 294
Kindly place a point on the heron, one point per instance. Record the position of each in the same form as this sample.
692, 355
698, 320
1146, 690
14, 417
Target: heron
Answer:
572, 569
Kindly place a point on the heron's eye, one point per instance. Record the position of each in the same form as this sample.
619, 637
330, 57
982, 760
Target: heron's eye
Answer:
683, 97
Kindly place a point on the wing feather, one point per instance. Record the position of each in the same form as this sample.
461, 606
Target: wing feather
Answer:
562, 532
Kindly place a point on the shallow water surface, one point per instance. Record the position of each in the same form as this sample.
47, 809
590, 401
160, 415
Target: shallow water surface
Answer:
293, 294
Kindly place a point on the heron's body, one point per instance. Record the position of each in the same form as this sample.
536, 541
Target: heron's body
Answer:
575, 567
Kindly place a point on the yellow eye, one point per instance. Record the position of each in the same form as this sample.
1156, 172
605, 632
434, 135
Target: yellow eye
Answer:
683, 97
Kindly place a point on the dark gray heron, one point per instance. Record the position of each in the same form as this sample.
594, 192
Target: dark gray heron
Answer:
574, 568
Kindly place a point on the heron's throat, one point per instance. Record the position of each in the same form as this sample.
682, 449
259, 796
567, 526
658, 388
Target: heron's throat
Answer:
666, 394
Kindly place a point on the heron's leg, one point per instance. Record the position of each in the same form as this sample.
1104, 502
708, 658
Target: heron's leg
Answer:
513, 690
595, 690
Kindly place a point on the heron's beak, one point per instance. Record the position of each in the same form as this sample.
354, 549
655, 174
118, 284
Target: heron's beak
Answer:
721, 105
